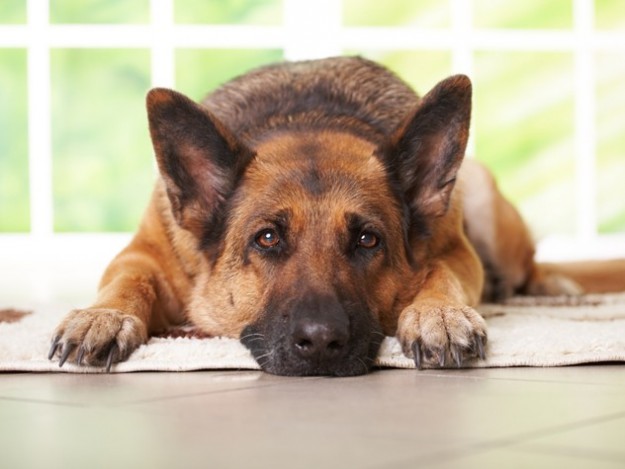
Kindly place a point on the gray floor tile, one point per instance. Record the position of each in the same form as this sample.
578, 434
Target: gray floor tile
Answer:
613, 375
601, 440
391, 418
518, 458
35, 435
122, 388
427, 416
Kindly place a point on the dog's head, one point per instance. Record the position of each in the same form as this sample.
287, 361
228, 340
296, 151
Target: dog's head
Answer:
310, 234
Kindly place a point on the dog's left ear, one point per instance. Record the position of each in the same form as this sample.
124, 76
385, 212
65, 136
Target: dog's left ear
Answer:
425, 153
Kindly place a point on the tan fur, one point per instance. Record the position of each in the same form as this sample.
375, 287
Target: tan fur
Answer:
211, 307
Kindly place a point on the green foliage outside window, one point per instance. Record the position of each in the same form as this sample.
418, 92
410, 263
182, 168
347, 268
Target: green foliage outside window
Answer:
13, 11
99, 11
102, 159
14, 191
257, 12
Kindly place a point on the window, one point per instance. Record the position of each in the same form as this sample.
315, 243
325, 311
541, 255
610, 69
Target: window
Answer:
75, 156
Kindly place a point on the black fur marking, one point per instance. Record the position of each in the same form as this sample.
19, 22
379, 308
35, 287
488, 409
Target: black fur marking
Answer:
496, 289
349, 94
270, 338
312, 181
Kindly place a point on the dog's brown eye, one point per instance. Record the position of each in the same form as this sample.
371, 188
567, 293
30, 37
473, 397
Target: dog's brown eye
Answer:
368, 240
267, 239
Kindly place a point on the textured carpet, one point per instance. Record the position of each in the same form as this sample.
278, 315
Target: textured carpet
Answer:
523, 332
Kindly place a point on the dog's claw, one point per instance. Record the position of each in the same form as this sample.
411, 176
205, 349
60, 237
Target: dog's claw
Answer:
80, 356
456, 355
54, 347
109, 360
67, 350
442, 358
416, 350
479, 340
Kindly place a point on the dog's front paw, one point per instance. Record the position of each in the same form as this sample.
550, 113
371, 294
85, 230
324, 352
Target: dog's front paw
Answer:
97, 337
437, 334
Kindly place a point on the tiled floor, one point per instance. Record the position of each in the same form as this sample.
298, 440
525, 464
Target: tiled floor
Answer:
501, 418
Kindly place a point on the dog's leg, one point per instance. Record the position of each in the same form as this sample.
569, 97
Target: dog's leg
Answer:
440, 326
118, 322
135, 298
503, 241
145, 287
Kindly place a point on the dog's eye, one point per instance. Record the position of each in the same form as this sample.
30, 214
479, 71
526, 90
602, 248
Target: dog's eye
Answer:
368, 240
267, 239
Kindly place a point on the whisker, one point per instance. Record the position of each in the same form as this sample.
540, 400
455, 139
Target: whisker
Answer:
262, 360
256, 334
255, 339
265, 355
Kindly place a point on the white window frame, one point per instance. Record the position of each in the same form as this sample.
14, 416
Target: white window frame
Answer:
310, 29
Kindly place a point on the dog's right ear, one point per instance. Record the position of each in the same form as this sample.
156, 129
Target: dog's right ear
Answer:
198, 157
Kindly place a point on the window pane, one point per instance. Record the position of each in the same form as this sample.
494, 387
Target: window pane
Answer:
610, 14
265, 12
13, 11
103, 165
14, 198
526, 14
424, 13
611, 142
523, 115
199, 71
99, 11
420, 69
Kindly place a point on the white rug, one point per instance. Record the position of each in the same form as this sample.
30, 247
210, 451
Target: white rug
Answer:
523, 332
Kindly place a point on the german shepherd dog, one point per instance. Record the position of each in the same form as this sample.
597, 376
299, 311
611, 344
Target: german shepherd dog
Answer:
309, 209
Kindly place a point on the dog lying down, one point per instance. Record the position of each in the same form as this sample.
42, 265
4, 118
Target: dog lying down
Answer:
310, 209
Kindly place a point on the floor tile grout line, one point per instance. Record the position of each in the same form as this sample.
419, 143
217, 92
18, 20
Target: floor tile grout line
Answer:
131, 403
519, 380
552, 430
586, 453
471, 449
76, 405
202, 393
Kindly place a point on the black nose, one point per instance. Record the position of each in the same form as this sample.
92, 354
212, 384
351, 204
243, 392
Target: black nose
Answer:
319, 340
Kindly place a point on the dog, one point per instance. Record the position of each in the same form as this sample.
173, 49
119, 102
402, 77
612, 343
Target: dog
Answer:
310, 209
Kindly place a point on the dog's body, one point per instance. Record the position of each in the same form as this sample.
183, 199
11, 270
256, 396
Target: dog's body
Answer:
309, 209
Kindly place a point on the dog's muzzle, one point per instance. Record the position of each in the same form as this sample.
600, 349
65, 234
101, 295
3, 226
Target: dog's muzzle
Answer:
316, 335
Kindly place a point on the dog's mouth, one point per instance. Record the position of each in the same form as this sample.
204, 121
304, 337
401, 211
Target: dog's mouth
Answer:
284, 358
311, 346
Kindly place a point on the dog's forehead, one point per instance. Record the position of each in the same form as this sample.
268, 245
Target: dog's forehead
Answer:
317, 161
314, 175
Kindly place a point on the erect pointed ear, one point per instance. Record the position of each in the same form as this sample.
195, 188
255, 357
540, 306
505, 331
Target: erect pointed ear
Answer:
425, 153
198, 158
